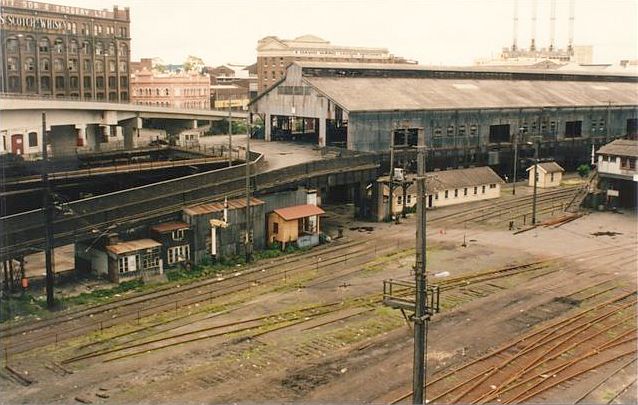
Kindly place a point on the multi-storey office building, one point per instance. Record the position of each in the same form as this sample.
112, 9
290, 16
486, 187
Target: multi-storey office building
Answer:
275, 54
188, 90
60, 51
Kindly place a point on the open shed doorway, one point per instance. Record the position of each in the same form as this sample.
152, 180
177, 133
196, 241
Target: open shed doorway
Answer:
296, 129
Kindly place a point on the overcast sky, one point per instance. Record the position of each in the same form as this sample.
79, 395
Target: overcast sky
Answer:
449, 32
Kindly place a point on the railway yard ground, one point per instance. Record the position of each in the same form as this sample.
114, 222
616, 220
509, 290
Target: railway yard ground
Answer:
543, 314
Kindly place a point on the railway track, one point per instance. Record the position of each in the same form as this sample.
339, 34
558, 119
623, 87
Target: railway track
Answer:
563, 350
172, 298
121, 349
512, 206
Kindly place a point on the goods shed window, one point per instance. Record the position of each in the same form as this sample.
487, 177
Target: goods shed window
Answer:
406, 137
632, 127
499, 133
573, 129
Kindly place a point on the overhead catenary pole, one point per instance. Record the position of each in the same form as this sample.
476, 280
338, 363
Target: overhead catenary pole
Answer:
48, 216
391, 185
420, 315
230, 132
515, 163
535, 183
248, 236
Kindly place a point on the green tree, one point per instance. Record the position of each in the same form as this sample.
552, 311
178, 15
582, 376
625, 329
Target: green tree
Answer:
583, 170
194, 64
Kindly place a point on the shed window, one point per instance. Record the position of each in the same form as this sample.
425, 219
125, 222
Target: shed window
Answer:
456, 192
494, 185
475, 190
33, 139
178, 234
447, 193
275, 228
483, 189
465, 191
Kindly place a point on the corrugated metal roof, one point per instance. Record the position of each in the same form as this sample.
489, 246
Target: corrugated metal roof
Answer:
620, 147
576, 71
457, 178
169, 226
132, 246
400, 93
219, 206
548, 167
299, 211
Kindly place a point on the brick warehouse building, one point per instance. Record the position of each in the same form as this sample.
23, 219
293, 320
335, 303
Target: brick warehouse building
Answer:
60, 51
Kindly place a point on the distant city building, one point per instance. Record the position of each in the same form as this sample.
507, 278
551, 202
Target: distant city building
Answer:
188, 90
541, 58
275, 54
62, 51
237, 83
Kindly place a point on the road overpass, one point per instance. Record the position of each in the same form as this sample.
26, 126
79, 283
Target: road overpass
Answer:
140, 206
80, 126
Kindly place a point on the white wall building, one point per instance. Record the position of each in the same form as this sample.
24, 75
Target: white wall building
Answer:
450, 187
549, 174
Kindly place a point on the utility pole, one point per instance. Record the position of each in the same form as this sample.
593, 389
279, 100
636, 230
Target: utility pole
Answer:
608, 132
421, 317
230, 132
48, 216
515, 163
536, 146
391, 174
249, 239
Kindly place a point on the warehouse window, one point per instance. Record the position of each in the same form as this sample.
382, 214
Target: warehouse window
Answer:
58, 65
74, 82
573, 129
45, 83
29, 44
450, 130
31, 83
58, 46
12, 45
44, 45
499, 133
461, 130
437, 131
59, 82
473, 130
29, 64
73, 46
12, 64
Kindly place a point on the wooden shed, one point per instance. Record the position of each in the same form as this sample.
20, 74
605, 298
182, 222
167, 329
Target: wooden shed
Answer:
297, 224
549, 174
